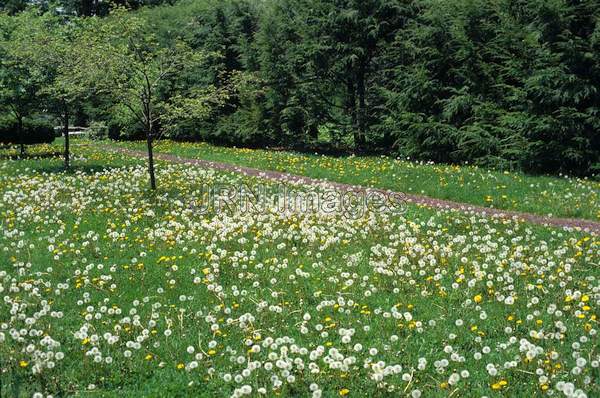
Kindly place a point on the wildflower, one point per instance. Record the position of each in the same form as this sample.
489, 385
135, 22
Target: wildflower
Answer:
499, 385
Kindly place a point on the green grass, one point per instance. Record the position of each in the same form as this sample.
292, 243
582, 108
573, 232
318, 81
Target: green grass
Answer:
545, 195
91, 253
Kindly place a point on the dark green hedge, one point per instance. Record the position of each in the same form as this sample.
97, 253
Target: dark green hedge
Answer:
34, 132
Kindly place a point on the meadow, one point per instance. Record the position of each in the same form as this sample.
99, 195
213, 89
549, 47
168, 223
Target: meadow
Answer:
570, 197
111, 290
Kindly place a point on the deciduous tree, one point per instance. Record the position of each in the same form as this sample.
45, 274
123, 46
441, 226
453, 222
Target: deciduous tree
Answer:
19, 84
127, 63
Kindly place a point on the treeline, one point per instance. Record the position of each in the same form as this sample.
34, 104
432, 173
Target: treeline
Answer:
512, 84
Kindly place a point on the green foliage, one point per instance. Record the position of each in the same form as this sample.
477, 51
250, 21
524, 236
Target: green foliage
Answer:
19, 84
504, 84
98, 131
123, 125
508, 84
83, 8
125, 62
225, 33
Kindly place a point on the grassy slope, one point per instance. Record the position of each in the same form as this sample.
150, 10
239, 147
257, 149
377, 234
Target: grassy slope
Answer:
336, 270
559, 197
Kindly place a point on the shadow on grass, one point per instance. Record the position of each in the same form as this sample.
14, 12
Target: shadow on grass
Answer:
29, 156
75, 168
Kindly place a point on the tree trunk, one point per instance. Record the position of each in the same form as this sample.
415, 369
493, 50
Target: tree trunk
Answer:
351, 107
150, 160
66, 133
313, 131
147, 119
21, 138
360, 112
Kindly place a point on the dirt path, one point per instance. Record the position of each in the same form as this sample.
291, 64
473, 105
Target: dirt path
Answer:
585, 225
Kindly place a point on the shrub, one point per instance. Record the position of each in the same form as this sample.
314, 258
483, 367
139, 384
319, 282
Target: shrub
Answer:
98, 131
35, 131
125, 131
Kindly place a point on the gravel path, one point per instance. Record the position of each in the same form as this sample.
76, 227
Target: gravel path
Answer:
585, 225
